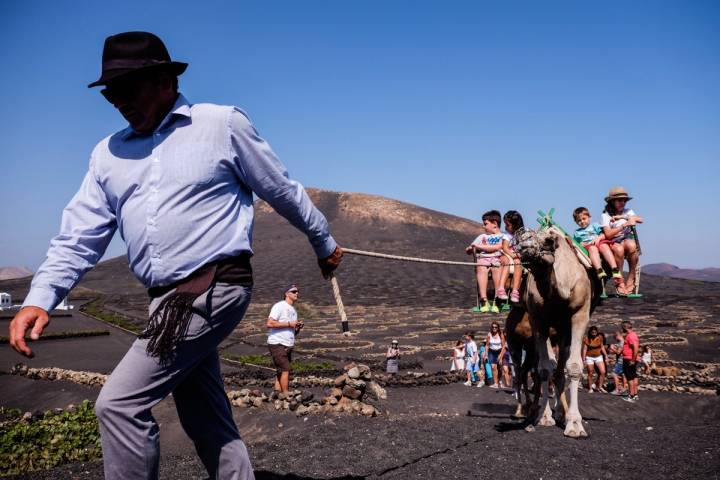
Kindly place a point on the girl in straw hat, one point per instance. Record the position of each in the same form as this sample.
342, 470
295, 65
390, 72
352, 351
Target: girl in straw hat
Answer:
617, 220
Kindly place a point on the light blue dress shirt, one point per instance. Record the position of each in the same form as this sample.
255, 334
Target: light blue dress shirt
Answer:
180, 197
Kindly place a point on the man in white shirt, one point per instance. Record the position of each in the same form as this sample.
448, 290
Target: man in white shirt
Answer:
283, 325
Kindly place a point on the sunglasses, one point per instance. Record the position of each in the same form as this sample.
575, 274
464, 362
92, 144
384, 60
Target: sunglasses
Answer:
293, 291
125, 89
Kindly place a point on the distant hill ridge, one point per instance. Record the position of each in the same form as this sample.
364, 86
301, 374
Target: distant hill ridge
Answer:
10, 273
669, 270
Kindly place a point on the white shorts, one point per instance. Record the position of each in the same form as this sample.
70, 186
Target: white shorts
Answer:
593, 360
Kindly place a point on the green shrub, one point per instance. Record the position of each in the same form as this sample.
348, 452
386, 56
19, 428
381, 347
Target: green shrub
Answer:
48, 441
95, 309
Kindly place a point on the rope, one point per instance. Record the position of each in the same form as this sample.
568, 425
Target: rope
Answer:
336, 287
341, 307
415, 259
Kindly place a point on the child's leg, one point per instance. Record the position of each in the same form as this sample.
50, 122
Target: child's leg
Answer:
504, 269
619, 252
497, 277
482, 281
607, 254
630, 248
517, 275
594, 256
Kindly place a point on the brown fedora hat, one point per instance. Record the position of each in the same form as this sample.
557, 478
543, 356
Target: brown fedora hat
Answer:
132, 51
617, 192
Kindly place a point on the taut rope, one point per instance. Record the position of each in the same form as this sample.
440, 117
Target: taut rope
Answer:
336, 287
414, 259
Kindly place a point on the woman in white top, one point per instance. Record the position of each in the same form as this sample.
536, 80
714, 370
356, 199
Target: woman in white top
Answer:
494, 350
617, 221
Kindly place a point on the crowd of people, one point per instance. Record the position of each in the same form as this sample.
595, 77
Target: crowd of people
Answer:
612, 240
488, 362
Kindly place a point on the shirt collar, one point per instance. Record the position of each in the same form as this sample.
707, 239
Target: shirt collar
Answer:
180, 108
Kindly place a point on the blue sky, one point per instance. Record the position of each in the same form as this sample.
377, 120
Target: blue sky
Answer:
456, 106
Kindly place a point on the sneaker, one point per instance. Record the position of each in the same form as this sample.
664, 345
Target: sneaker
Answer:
479, 385
468, 383
501, 294
485, 307
617, 393
515, 296
630, 398
494, 308
602, 390
494, 385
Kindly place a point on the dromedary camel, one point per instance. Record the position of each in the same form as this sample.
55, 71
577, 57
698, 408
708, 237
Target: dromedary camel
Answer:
559, 296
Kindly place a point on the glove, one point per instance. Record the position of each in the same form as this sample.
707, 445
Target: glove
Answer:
329, 264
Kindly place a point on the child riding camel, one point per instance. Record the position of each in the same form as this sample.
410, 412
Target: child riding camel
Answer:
513, 222
617, 220
489, 246
591, 236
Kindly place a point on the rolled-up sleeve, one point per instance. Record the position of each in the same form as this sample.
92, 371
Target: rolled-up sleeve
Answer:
260, 169
88, 225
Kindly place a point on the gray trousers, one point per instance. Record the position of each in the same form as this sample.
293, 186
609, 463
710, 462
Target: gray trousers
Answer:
129, 433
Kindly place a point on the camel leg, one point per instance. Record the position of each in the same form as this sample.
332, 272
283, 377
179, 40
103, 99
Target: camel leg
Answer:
573, 425
545, 369
559, 377
527, 369
517, 381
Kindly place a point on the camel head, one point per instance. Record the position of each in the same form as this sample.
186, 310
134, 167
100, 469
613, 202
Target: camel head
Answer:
537, 248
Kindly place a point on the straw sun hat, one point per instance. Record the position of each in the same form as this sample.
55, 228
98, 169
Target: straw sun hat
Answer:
616, 193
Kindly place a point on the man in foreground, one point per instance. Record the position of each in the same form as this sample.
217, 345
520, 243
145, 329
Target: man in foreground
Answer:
178, 184
283, 325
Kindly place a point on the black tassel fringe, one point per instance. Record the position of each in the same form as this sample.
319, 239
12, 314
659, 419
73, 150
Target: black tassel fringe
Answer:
168, 324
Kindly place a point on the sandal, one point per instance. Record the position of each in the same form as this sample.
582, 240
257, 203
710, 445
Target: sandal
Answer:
620, 287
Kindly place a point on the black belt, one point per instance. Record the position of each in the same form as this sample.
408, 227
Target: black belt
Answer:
234, 270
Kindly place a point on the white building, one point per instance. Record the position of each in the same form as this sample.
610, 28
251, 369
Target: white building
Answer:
64, 305
5, 301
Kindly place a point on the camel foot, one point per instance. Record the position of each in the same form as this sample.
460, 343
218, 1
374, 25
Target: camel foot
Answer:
574, 428
530, 428
547, 421
519, 412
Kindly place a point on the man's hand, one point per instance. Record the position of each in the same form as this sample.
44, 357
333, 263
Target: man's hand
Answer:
329, 264
28, 317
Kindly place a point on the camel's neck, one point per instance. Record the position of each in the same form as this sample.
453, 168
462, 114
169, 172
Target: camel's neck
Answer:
566, 269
